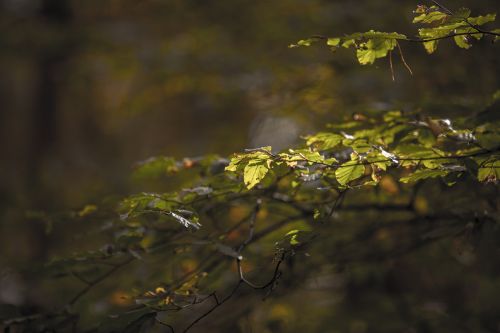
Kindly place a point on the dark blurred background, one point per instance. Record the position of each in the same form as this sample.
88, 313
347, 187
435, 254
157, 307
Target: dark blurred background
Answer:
90, 87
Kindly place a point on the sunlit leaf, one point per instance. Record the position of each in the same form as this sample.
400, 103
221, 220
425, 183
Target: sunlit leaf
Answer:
254, 172
489, 170
423, 174
480, 20
431, 15
349, 171
324, 140
373, 49
333, 41
462, 41
430, 46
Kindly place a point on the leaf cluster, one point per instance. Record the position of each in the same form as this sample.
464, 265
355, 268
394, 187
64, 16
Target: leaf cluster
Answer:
439, 23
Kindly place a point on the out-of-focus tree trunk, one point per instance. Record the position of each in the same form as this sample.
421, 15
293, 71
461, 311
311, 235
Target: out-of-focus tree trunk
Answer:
56, 15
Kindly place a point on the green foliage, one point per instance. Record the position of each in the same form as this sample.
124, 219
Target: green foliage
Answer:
423, 174
349, 171
408, 147
156, 166
423, 148
324, 140
369, 45
295, 183
460, 25
488, 169
440, 24
255, 166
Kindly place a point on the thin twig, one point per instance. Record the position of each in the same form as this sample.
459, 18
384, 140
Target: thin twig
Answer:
251, 230
80, 277
165, 324
99, 279
391, 67
242, 280
424, 40
274, 277
403, 59
217, 304
449, 12
337, 203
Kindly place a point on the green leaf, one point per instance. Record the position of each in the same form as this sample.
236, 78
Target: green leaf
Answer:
136, 204
462, 42
301, 155
374, 35
430, 157
496, 31
349, 171
373, 49
426, 137
392, 115
308, 155
324, 140
333, 41
489, 140
431, 15
431, 46
297, 237
437, 32
238, 161
359, 146
156, 167
480, 20
303, 42
255, 165
293, 236
459, 15
489, 170
254, 172
348, 42
423, 174
235, 162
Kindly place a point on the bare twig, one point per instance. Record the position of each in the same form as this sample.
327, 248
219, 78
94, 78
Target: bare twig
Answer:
99, 279
242, 279
251, 231
165, 324
446, 10
403, 59
338, 202
390, 66
216, 305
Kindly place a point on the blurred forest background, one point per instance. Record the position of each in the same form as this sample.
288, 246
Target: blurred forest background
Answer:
90, 87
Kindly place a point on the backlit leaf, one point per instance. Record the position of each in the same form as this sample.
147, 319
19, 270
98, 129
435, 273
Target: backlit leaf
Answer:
489, 170
373, 49
324, 140
349, 171
423, 174
254, 172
